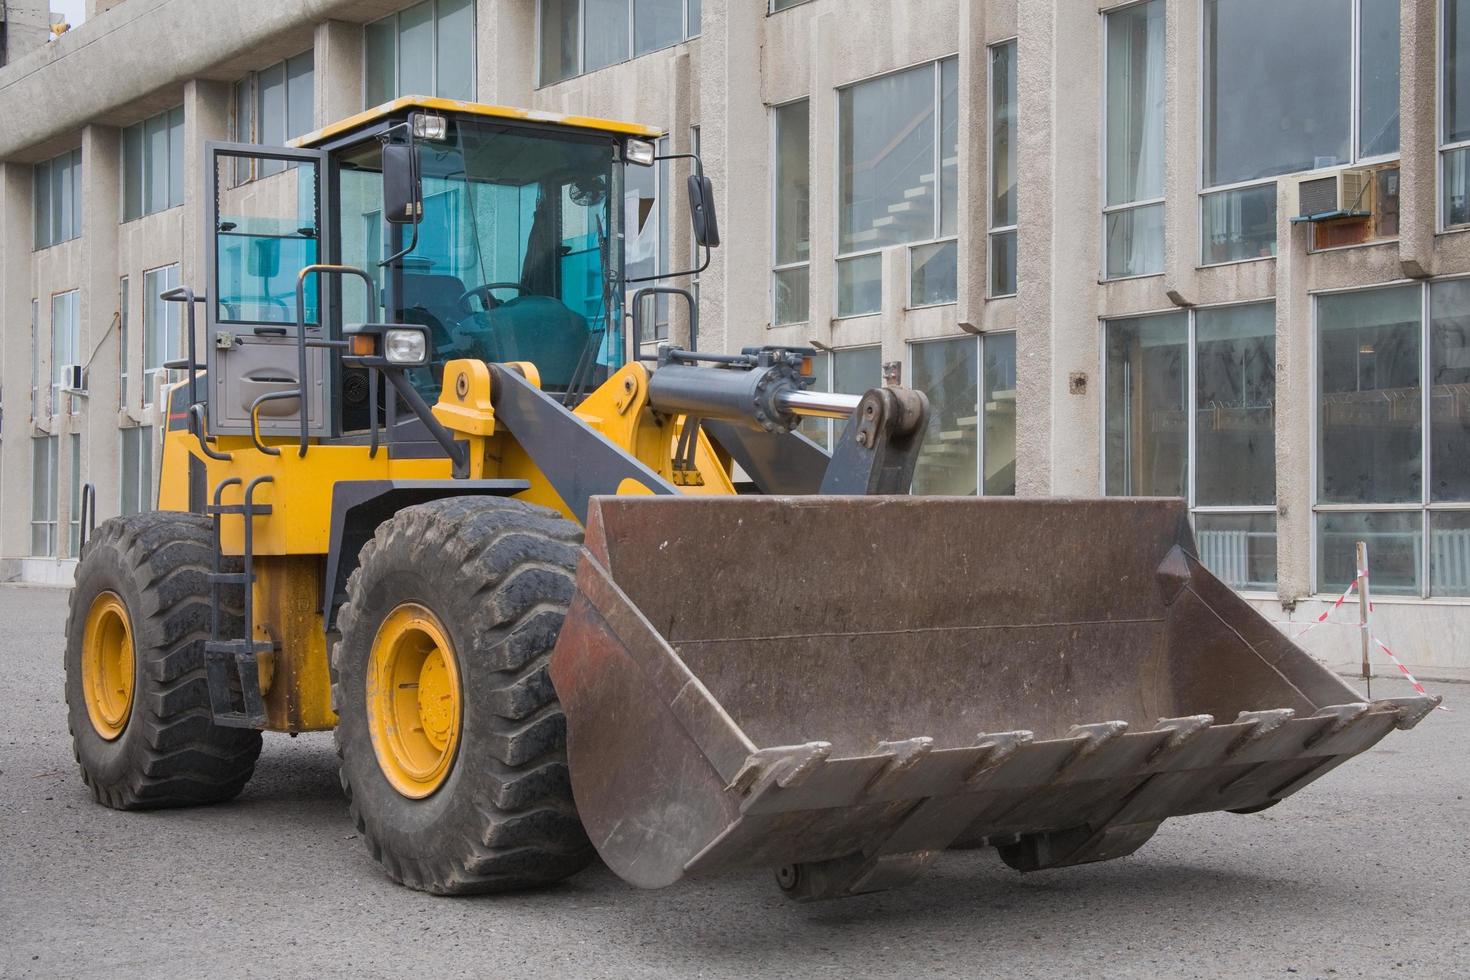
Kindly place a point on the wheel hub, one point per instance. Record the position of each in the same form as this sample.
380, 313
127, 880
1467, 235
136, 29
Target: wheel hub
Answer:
413, 700
107, 665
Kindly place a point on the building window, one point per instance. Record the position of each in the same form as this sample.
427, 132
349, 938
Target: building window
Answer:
1280, 98
970, 445
273, 106
122, 342
74, 512
153, 164
135, 492
43, 496
1455, 115
35, 359
898, 167
1381, 477
579, 36
848, 371
1133, 162
162, 326
58, 199
66, 342
646, 246
428, 49
791, 224
1221, 455
1003, 169
777, 5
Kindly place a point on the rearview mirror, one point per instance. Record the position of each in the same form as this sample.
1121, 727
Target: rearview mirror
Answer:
402, 198
702, 211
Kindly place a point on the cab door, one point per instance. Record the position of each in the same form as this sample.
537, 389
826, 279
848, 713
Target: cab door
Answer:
266, 214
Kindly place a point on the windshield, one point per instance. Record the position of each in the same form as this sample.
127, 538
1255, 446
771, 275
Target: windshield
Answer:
513, 254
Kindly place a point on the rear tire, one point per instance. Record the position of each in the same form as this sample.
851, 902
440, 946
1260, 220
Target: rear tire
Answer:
157, 744
491, 578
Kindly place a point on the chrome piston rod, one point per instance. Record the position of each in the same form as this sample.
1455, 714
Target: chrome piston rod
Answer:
818, 404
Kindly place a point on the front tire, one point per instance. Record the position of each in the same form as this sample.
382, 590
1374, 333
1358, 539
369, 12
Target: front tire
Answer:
136, 693
452, 743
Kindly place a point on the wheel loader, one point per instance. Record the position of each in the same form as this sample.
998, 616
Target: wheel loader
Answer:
559, 596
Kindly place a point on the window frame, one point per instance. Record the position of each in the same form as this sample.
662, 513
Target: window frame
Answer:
250, 87
992, 230
149, 373
1355, 64
74, 329
143, 451
1108, 210
839, 257
1443, 149
980, 393
685, 36
48, 518
395, 16
777, 267
1191, 395
72, 160
1426, 506
145, 162
124, 298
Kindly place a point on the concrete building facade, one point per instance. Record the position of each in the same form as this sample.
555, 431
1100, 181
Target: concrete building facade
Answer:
1072, 227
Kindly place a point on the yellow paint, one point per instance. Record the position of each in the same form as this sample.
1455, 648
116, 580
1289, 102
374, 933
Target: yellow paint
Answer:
107, 665
452, 106
413, 700
464, 405
295, 683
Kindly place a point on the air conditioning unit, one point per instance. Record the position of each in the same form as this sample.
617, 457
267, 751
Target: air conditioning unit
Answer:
1343, 194
73, 378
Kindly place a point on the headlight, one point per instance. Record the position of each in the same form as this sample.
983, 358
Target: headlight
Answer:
641, 152
408, 347
430, 127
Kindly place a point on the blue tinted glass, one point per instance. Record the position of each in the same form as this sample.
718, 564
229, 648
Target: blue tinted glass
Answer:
264, 240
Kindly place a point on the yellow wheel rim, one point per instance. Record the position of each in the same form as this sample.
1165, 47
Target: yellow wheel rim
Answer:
413, 700
107, 665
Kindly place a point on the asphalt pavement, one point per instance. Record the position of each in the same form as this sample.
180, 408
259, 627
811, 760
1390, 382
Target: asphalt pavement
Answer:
1364, 874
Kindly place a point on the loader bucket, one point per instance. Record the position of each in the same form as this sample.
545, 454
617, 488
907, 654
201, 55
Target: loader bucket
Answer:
840, 688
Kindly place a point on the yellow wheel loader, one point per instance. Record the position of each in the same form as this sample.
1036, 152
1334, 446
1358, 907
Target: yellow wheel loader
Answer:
420, 488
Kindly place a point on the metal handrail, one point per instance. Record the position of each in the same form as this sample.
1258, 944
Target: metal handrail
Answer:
271, 396
196, 426
185, 295
301, 341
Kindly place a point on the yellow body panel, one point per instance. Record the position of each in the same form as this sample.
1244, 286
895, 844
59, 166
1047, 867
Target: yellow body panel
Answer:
291, 542
449, 106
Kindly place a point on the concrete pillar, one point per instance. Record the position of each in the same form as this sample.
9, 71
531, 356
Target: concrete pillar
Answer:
15, 356
337, 63
505, 61
974, 188
1418, 137
101, 178
1181, 162
822, 113
206, 117
1294, 386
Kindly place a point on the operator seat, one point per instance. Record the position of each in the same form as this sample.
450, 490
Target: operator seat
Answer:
433, 300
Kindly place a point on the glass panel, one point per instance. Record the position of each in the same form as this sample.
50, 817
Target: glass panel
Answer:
176, 157
456, 53
74, 511
264, 240
300, 96
145, 468
270, 100
1378, 81
1238, 225
155, 324
128, 495
1003, 264
41, 203
380, 46
1147, 449
1256, 52
1239, 548
64, 218
1456, 82
999, 413
244, 128
857, 369
132, 172
560, 33
695, 11
641, 222
886, 131
860, 285
657, 24
1002, 135
1456, 187
1449, 392
1135, 103
76, 193
793, 183
1235, 406
57, 189
1395, 541
946, 371
792, 295
607, 33
416, 50
819, 430
784, 4
155, 164
933, 275
1449, 553
1135, 240
122, 342
1369, 363
949, 146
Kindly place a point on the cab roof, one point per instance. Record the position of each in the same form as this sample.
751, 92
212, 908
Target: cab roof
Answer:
454, 106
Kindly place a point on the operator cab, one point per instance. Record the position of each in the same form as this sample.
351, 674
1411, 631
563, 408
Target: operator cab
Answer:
497, 230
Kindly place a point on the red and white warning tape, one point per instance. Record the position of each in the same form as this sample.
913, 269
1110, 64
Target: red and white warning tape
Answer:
1402, 669
1352, 586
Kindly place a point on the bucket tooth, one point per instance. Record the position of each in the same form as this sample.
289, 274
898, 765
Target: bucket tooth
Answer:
1411, 711
902, 757
785, 765
995, 750
1342, 716
1092, 738
1262, 723
1181, 732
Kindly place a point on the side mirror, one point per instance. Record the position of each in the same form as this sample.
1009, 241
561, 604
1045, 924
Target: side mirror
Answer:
402, 196
702, 211
264, 261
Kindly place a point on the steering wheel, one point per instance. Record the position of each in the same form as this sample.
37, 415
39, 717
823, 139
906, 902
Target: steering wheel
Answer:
483, 292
